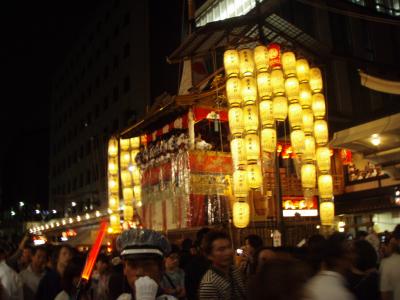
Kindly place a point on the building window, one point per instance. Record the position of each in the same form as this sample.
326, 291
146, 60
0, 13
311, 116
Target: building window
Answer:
127, 85
127, 50
115, 94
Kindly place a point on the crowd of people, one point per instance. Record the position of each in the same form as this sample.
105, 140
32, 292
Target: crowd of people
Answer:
146, 266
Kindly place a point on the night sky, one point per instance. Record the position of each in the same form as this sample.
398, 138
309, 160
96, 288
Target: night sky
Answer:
35, 36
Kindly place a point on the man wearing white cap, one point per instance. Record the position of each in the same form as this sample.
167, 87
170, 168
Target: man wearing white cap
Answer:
143, 252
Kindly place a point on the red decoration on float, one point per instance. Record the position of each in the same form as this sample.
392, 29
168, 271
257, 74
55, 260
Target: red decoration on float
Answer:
274, 53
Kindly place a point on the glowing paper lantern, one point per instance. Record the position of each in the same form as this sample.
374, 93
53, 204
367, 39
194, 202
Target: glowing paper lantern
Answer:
274, 55
303, 70
316, 80
124, 144
113, 202
254, 176
321, 132
268, 139
264, 85
137, 191
308, 179
261, 59
325, 186
126, 178
236, 124
112, 166
292, 89
240, 187
327, 213
277, 82
135, 175
280, 108
266, 114
249, 90
289, 63
113, 147
238, 151
127, 194
297, 141
135, 142
250, 118
133, 155
305, 97
231, 63
115, 223
233, 91
128, 213
113, 184
318, 105
252, 143
241, 214
295, 116
246, 62
308, 121
309, 148
323, 157
125, 159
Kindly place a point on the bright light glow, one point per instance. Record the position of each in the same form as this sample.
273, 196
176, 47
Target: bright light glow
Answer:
21, 204
397, 193
57, 224
109, 211
375, 139
42, 227
12, 213
97, 213
39, 242
73, 203
139, 204
64, 222
341, 229
341, 224
46, 226
54, 211
70, 221
318, 226
301, 212
64, 239
87, 216
37, 211
52, 225
78, 218
131, 168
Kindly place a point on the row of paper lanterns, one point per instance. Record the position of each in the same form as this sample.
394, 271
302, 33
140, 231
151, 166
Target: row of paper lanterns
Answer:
122, 169
264, 87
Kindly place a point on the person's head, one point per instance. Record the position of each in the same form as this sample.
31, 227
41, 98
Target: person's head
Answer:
172, 259
200, 237
103, 263
261, 256
26, 256
71, 275
252, 242
273, 279
39, 258
61, 256
186, 245
338, 253
143, 265
365, 256
218, 249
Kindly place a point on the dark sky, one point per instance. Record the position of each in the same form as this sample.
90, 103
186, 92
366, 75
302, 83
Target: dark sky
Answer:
35, 36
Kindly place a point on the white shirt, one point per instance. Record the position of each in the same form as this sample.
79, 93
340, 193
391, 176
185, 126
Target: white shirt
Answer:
11, 285
62, 296
30, 280
327, 285
390, 275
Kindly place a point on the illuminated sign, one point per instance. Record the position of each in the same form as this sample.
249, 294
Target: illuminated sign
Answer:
299, 206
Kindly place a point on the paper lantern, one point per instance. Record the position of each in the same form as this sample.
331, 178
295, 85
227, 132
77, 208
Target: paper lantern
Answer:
125, 159
128, 213
327, 213
308, 179
238, 151
231, 63
295, 116
250, 118
292, 89
246, 62
289, 63
240, 187
135, 175
277, 82
261, 59
124, 144
127, 194
113, 202
234, 92
309, 148
137, 191
126, 178
303, 70
266, 113
321, 132
133, 155
135, 142
297, 141
268, 139
325, 186
113, 147
115, 223
274, 55
112, 166
264, 85
280, 108
236, 124
113, 184
254, 176
249, 90
308, 121
318, 105
315, 80
241, 214
252, 143
305, 97
323, 157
